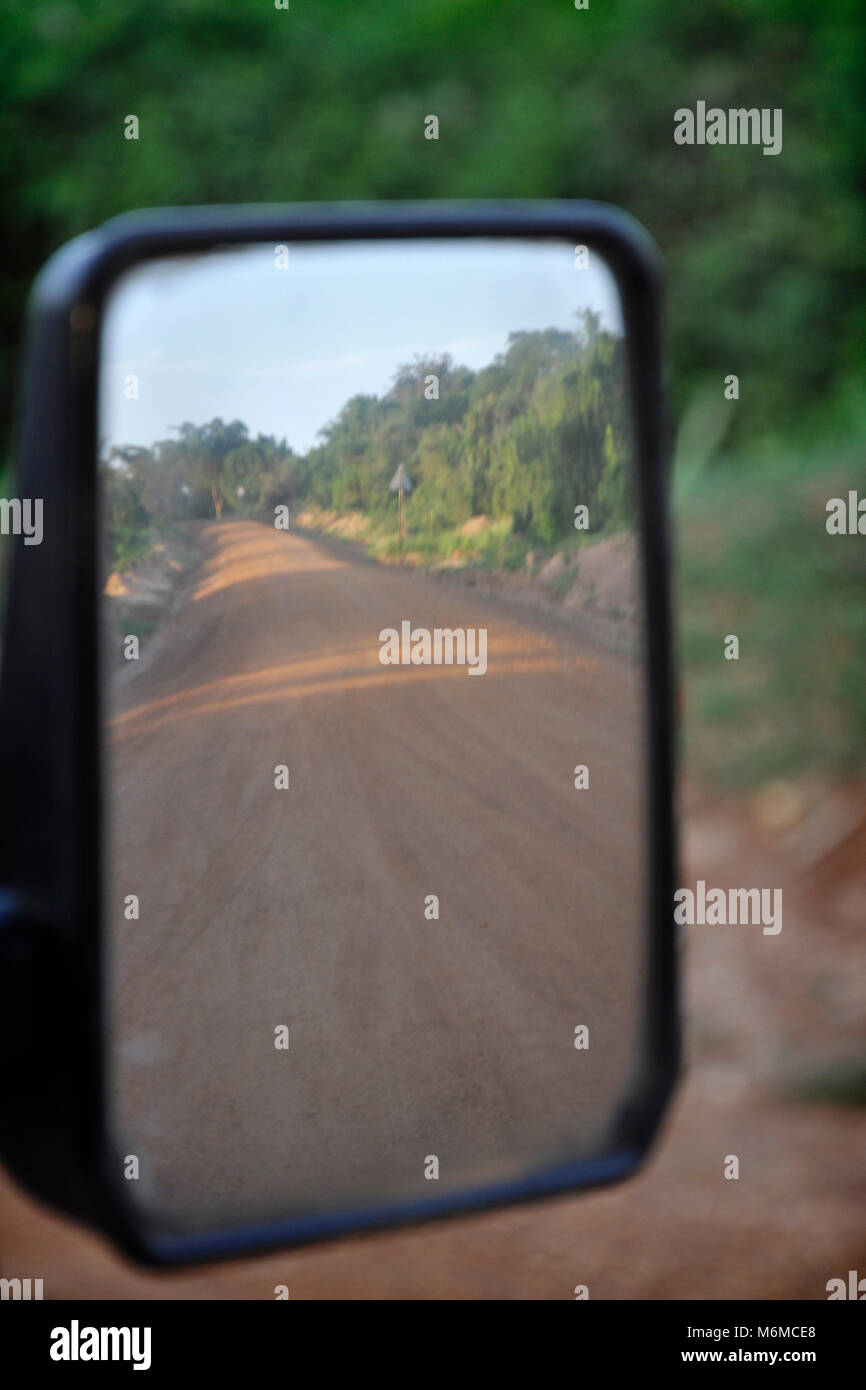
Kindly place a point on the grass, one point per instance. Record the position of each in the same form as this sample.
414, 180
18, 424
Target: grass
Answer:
128, 545
841, 1083
493, 546
184, 553
131, 545
754, 559
137, 627
561, 583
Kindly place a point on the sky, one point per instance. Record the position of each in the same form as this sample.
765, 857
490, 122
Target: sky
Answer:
230, 335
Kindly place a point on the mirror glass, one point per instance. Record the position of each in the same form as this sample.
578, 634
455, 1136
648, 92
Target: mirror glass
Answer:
375, 885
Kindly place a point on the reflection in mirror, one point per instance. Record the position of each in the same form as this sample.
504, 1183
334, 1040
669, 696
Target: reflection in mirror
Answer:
375, 885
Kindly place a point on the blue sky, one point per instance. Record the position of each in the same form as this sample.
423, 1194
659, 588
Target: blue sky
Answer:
230, 335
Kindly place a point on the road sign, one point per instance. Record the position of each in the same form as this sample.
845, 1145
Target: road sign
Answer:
400, 478
401, 484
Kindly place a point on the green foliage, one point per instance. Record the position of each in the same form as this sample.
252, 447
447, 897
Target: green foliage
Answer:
206, 470
543, 427
755, 559
837, 1083
127, 517
238, 101
765, 256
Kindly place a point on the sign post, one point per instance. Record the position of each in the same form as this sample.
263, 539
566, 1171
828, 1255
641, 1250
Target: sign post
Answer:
401, 484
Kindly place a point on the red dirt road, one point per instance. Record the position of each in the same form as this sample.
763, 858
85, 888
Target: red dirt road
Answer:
305, 907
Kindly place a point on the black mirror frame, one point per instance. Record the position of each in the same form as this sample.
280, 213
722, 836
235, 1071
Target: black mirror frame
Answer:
52, 1127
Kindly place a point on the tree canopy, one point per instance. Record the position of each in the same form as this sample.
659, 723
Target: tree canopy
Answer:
239, 101
540, 430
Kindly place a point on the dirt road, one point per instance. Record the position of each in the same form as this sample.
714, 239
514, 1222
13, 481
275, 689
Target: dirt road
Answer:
410, 1036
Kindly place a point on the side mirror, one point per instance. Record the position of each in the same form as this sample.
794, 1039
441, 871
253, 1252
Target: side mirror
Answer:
336, 722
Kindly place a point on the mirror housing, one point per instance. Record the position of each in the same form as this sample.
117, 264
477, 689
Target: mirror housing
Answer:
52, 1111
